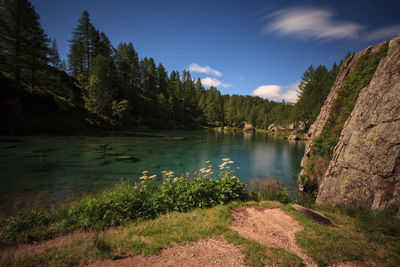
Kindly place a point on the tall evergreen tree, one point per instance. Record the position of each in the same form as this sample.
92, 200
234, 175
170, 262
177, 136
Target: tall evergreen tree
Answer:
82, 47
54, 57
23, 43
100, 91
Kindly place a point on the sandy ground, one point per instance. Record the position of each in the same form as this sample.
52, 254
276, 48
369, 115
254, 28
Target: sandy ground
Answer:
271, 227
202, 253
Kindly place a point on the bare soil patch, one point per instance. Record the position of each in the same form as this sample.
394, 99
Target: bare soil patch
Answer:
209, 252
271, 227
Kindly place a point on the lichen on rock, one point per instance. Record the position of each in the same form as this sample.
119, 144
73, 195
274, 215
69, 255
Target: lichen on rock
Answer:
364, 165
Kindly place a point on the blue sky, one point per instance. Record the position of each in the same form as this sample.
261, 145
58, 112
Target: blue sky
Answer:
242, 47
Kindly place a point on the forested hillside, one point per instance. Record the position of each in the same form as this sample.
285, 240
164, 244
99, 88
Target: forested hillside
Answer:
108, 87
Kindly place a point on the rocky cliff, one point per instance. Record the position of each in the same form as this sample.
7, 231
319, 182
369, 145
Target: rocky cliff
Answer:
363, 167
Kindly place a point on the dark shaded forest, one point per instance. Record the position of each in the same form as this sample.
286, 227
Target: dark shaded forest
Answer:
106, 87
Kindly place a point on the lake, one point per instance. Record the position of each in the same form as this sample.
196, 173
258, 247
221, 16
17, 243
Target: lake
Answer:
48, 170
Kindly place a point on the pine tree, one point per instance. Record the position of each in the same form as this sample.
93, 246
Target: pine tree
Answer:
162, 79
54, 57
100, 92
149, 85
23, 43
82, 47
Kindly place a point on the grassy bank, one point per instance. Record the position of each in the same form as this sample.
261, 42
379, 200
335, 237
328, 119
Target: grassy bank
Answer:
361, 236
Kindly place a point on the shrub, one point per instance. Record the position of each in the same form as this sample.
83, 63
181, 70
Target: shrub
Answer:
270, 189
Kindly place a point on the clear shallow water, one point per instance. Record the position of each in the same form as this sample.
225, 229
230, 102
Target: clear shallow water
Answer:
45, 170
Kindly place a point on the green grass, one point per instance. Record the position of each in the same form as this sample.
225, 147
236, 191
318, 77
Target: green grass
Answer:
362, 234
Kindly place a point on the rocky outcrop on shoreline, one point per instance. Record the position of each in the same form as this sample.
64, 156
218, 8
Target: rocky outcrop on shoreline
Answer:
364, 169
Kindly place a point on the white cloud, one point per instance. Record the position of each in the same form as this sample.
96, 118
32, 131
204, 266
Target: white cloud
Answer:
277, 92
383, 33
310, 23
208, 81
194, 67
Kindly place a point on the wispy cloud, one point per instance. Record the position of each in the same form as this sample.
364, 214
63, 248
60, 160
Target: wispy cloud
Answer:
208, 81
310, 23
194, 67
277, 92
383, 33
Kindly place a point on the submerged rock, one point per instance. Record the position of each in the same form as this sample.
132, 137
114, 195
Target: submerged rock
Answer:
42, 167
9, 146
30, 154
111, 153
293, 137
104, 162
97, 146
127, 158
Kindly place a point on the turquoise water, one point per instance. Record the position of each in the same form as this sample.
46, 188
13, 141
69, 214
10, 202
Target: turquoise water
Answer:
45, 170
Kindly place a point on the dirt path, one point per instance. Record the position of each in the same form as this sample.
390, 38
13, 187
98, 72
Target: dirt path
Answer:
271, 227
202, 253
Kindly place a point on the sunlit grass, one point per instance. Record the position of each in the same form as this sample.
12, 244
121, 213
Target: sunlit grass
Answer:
350, 241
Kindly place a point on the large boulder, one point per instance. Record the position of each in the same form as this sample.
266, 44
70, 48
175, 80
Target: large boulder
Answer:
300, 126
272, 127
248, 127
316, 128
365, 168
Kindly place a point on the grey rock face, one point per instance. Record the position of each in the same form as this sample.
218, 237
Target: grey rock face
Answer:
319, 124
366, 161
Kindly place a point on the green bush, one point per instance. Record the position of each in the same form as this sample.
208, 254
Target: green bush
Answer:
269, 189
